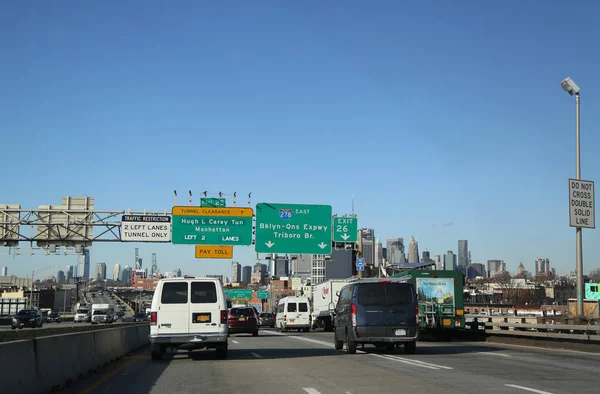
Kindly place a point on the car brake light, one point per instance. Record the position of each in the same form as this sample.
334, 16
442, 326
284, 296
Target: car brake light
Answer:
417, 314
224, 317
385, 281
353, 315
153, 318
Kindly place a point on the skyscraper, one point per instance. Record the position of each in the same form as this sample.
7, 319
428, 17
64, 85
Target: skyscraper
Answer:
116, 270
542, 266
3, 271
236, 272
450, 261
366, 244
100, 271
413, 250
69, 273
246, 274
463, 254
378, 253
83, 265
495, 267
395, 250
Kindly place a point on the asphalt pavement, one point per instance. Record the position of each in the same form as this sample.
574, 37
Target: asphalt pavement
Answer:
307, 363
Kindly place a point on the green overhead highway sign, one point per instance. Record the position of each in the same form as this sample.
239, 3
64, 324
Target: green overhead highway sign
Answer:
238, 294
293, 228
345, 229
213, 202
211, 226
262, 294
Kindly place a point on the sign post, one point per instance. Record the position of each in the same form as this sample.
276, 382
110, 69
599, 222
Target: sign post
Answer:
145, 228
582, 209
212, 226
345, 229
293, 228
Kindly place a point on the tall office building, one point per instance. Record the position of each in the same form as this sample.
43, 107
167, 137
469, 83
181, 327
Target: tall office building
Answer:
495, 267
302, 265
450, 261
3, 271
116, 271
100, 271
426, 257
475, 270
83, 265
236, 272
60, 277
438, 262
542, 266
69, 273
366, 244
413, 250
378, 253
395, 250
463, 254
125, 274
246, 274
318, 269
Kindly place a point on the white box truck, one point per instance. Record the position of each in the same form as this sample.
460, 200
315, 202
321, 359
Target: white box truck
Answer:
82, 313
323, 295
102, 313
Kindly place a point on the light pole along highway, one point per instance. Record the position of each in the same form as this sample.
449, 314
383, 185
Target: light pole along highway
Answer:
572, 88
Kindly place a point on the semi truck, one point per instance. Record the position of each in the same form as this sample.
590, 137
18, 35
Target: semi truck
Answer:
82, 313
441, 300
102, 313
323, 295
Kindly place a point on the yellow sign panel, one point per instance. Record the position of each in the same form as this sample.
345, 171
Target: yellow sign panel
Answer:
214, 252
447, 322
210, 211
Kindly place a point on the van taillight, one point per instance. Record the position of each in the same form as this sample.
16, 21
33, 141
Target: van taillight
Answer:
153, 318
284, 317
353, 315
224, 317
417, 314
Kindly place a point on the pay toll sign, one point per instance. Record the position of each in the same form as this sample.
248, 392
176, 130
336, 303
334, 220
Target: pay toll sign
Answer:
293, 228
212, 226
582, 212
214, 252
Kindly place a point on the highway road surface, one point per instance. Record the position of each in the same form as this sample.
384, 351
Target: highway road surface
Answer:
307, 363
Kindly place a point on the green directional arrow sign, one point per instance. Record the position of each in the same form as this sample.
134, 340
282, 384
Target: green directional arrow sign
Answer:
262, 294
239, 294
293, 228
211, 226
345, 229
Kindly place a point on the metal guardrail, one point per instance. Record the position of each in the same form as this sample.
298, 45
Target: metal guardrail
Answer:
534, 330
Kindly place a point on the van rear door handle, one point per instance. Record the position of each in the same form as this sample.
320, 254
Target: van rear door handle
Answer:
166, 325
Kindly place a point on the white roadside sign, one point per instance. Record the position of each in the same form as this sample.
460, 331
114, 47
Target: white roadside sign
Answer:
145, 228
582, 212
296, 283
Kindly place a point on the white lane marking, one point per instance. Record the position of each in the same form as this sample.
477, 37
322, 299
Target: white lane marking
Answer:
527, 389
402, 361
310, 390
313, 341
256, 355
493, 354
236, 342
421, 362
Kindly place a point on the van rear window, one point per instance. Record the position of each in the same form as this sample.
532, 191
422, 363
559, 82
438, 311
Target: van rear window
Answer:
204, 293
174, 293
244, 312
303, 307
385, 294
292, 307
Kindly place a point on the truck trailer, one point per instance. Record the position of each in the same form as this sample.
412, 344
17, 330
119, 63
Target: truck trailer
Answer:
441, 300
323, 295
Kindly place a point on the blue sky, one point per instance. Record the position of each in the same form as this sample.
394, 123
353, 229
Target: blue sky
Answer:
426, 112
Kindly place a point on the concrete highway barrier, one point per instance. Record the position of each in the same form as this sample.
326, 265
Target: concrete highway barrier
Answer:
45, 363
8, 335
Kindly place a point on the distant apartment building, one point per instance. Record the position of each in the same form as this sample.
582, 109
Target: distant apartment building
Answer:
495, 267
100, 271
475, 270
116, 271
236, 272
395, 250
542, 266
3, 271
450, 261
366, 245
463, 255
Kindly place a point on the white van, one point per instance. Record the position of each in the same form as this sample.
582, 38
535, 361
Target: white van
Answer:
293, 313
188, 313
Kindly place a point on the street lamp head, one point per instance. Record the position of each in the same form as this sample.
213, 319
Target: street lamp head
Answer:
569, 86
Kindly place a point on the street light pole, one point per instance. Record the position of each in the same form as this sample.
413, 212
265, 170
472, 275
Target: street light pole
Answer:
572, 88
578, 232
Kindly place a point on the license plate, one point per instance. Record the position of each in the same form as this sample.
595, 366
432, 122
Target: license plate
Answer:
203, 318
242, 319
447, 322
400, 332
292, 320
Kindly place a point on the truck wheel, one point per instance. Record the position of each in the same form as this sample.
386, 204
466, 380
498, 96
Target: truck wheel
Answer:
222, 351
410, 347
156, 352
350, 346
339, 345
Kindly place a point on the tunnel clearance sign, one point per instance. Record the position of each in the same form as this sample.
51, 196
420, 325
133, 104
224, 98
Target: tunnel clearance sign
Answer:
581, 204
212, 226
145, 228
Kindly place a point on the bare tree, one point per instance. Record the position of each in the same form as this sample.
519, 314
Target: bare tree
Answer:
595, 275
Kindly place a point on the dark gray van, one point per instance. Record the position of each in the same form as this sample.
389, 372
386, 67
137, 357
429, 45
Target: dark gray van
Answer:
378, 312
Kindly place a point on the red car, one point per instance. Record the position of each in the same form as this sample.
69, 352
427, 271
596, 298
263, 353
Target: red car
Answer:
243, 320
